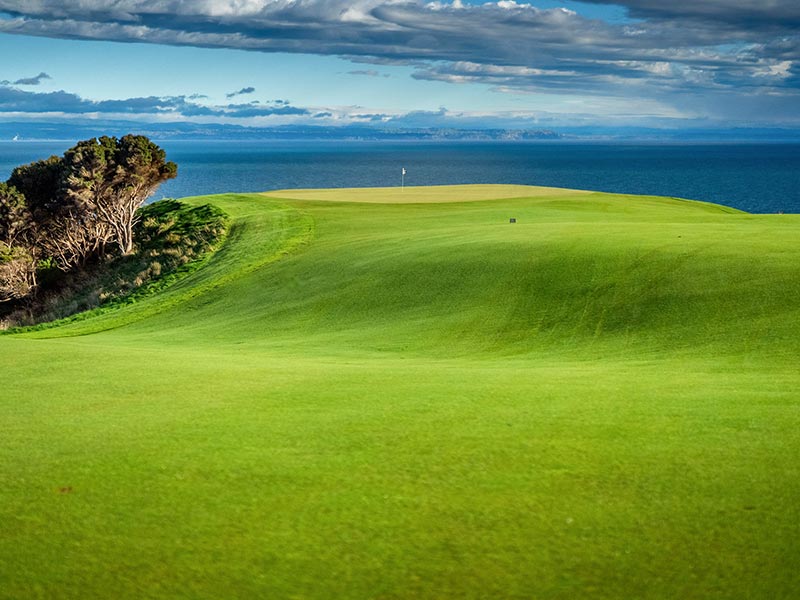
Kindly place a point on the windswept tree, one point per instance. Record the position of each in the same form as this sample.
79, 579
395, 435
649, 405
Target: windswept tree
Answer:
80, 203
68, 210
142, 167
111, 178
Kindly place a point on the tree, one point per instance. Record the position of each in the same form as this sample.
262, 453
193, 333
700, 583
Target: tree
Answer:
112, 178
143, 167
70, 208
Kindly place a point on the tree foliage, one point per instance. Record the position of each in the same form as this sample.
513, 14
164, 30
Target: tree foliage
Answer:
16, 222
40, 183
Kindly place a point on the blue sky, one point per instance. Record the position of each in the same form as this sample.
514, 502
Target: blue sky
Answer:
395, 63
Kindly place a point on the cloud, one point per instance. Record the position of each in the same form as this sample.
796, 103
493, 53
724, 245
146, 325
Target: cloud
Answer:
28, 80
33, 80
756, 13
241, 92
13, 100
365, 72
257, 110
167, 112
725, 50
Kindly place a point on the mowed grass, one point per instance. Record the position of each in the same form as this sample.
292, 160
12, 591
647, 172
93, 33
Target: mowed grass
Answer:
374, 399
424, 194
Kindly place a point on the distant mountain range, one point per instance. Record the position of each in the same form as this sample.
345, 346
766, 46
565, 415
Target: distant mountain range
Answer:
42, 130
176, 131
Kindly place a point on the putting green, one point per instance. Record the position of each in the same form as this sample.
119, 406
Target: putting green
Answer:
423, 194
412, 398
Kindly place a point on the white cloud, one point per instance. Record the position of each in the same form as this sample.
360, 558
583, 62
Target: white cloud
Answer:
677, 48
777, 69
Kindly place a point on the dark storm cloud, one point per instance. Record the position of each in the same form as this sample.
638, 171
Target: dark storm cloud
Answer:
669, 48
241, 92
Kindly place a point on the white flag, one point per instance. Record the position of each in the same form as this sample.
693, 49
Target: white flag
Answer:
404, 170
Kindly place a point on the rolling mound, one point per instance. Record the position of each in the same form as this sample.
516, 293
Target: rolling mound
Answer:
576, 273
383, 393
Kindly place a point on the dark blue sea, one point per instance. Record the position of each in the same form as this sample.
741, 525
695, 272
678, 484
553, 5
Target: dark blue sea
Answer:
761, 178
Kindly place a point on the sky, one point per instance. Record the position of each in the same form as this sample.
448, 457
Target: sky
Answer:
400, 63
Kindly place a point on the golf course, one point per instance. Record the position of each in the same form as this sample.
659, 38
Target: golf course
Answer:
386, 394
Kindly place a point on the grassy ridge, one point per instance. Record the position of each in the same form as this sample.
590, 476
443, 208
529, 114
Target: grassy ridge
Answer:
272, 231
423, 400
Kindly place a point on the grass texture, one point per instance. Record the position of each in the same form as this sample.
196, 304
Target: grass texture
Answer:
366, 396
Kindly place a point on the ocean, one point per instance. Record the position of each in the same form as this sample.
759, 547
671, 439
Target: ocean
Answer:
759, 178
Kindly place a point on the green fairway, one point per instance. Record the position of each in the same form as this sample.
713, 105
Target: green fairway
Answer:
400, 394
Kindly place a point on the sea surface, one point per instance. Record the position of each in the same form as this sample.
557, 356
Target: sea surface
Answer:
759, 178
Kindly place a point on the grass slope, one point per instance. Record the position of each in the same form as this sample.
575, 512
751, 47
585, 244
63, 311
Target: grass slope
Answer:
422, 400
